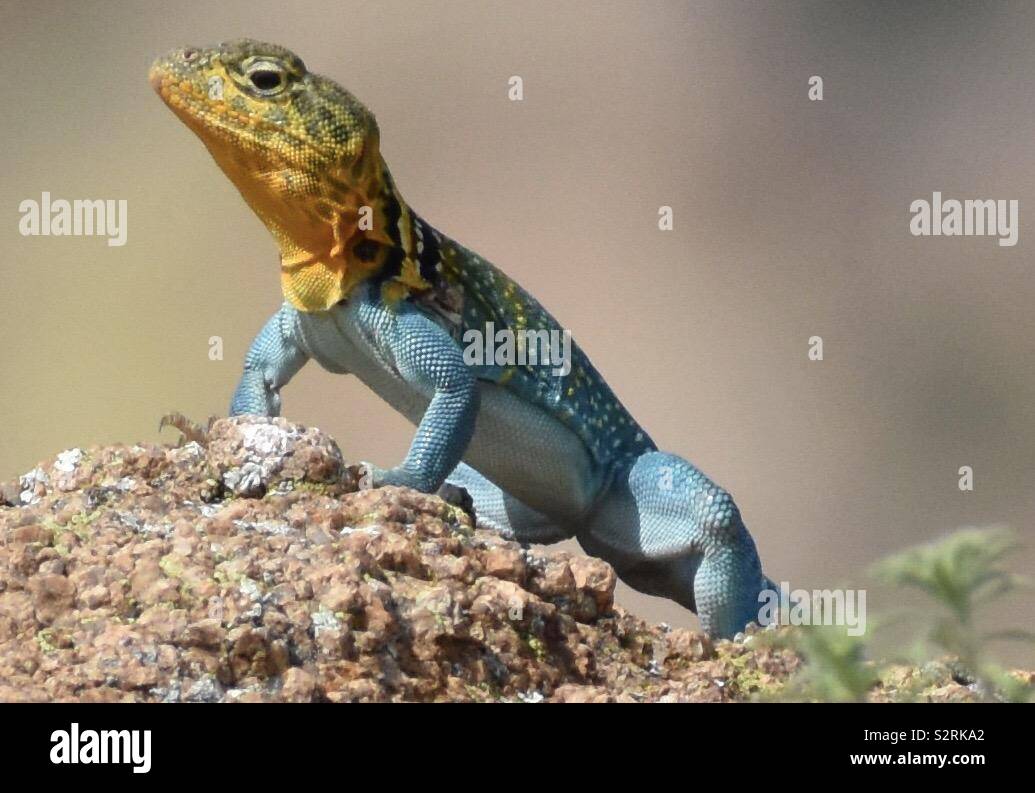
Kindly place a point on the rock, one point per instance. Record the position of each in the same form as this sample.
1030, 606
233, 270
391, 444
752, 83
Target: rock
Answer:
52, 596
94, 597
570, 692
251, 455
9, 494
206, 689
506, 562
298, 685
31, 534
596, 578
253, 569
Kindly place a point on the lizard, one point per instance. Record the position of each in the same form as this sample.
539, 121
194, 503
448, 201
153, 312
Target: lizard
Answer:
371, 289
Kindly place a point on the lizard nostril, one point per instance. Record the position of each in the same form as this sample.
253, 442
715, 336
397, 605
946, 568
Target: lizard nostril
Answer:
190, 54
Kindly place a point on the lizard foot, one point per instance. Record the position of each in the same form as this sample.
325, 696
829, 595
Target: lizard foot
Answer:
370, 476
374, 476
367, 475
189, 430
457, 496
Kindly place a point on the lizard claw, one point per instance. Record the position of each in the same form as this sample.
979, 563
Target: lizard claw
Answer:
368, 475
189, 430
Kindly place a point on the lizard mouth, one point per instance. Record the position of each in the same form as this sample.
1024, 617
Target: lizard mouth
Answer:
191, 82
178, 78
179, 87
175, 67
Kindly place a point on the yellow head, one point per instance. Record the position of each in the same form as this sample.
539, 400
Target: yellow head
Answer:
302, 151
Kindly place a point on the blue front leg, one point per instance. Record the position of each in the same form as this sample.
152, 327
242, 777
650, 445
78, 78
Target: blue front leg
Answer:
430, 362
272, 360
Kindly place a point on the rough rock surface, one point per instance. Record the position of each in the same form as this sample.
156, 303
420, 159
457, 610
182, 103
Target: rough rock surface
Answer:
253, 569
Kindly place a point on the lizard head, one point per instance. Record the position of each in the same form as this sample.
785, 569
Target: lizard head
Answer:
303, 152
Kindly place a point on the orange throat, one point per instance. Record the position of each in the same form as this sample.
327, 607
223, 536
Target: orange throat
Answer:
318, 225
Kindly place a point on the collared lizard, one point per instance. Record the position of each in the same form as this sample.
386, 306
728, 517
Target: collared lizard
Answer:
373, 290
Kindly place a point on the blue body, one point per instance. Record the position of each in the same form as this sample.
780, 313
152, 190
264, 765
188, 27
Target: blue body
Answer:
542, 460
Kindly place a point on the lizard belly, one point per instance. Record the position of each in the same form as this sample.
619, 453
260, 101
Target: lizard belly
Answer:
532, 455
521, 448
328, 340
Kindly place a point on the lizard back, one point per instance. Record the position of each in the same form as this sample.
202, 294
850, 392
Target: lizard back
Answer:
471, 294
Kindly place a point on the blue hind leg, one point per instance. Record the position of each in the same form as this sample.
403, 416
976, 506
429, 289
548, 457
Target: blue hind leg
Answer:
670, 531
498, 510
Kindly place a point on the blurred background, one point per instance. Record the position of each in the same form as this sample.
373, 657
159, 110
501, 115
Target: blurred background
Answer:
791, 219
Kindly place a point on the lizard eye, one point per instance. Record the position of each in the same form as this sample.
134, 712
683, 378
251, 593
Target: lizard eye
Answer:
266, 79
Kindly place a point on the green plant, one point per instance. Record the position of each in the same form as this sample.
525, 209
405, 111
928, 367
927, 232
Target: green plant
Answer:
963, 573
835, 669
